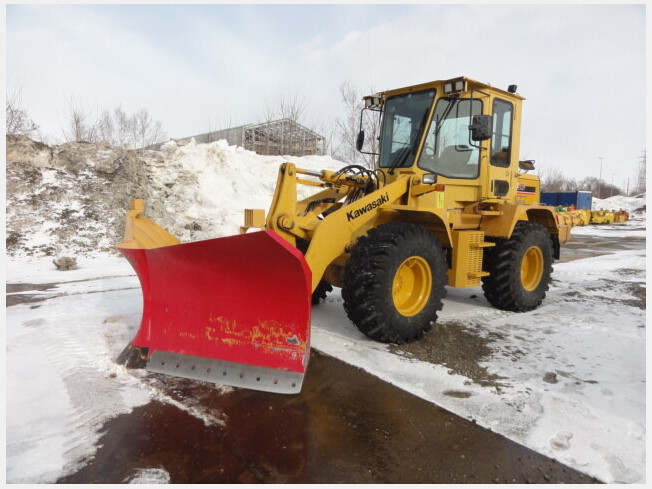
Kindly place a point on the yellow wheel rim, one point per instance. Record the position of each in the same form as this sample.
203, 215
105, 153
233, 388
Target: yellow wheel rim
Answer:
532, 268
412, 285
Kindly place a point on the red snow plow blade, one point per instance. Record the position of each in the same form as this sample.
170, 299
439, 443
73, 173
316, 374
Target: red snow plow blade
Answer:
232, 310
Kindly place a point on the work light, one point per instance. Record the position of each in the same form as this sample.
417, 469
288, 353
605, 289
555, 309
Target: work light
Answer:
454, 86
429, 178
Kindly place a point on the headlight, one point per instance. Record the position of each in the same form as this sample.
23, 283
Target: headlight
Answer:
429, 178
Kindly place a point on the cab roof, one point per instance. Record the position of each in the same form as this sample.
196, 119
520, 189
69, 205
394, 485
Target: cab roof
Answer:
471, 84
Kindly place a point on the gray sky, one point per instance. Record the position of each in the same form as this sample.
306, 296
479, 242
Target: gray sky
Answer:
581, 68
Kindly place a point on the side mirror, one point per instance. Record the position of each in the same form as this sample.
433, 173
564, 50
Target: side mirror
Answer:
526, 165
359, 141
481, 127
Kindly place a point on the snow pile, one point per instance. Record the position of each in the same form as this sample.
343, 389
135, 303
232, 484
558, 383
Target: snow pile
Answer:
71, 199
634, 205
635, 227
204, 188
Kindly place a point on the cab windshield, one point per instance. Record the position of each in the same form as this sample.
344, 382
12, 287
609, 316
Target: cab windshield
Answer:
448, 150
404, 120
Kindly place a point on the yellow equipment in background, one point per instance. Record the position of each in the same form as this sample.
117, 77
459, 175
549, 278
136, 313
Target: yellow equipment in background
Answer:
584, 217
621, 216
602, 217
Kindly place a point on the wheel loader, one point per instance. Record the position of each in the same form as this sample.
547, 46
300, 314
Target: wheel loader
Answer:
448, 204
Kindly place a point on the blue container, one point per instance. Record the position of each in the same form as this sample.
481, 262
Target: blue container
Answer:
581, 200
584, 200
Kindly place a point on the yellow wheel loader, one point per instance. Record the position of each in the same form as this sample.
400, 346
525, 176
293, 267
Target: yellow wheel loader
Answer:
448, 204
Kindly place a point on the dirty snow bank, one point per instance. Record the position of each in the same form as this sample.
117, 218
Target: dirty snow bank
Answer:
72, 198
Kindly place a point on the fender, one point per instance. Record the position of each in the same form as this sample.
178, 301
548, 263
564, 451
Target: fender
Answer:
501, 221
430, 218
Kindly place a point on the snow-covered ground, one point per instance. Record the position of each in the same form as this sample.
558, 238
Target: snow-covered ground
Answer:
572, 373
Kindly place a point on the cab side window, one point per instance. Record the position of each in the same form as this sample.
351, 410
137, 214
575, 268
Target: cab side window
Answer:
501, 141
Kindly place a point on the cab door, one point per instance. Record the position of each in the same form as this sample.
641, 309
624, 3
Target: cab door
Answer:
503, 153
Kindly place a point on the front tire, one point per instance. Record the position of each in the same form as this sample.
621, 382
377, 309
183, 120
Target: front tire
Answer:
394, 282
520, 269
323, 287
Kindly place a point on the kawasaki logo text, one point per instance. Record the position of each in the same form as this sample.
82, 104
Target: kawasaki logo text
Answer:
367, 208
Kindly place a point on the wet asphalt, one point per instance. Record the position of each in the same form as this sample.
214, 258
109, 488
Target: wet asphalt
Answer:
346, 426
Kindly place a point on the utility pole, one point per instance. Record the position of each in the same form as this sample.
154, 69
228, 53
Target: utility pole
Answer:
600, 179
640, 183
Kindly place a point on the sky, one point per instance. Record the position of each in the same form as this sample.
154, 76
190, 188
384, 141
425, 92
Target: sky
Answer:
200, 67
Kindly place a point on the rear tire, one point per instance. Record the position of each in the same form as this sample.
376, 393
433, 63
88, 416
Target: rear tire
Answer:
394, 282
520, 269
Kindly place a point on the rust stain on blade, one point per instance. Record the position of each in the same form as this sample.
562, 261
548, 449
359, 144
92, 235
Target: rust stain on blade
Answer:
266, 334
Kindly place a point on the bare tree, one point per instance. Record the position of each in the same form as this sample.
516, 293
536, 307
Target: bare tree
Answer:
553, 180
324, 127
122, 123
348, 127
144, 130
106, 128
17, 119
80, 126
116, 128
285, 104
209, 131
599, 188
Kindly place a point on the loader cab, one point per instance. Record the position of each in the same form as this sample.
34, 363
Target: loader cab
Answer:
463, 133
